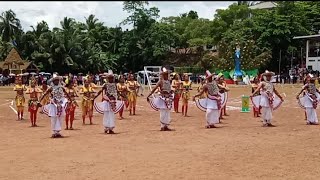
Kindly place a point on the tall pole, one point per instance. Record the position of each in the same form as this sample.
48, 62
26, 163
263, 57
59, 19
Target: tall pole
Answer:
317, 60
291, 59
301, 58
280, 62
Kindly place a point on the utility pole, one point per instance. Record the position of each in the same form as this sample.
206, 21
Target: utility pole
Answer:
280, 63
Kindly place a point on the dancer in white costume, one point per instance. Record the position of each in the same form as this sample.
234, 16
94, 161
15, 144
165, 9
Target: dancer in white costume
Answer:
164, 101
56, 108
214, 101
110, 104
269, 100
309, 101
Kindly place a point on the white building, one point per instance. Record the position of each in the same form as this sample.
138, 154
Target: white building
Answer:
312, 51
264, 5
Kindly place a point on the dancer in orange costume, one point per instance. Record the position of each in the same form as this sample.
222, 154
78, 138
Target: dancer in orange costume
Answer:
200, 88
71, 105
186, 86
133, 86
123, 91
20, 100
87, 101
176, 86
33, 103
92, 85
222, 83
46, 99
255, 85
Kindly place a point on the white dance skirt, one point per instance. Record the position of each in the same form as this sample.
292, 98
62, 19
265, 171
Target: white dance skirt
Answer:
207, 103
262, 101
103, 106
158, 103
51, 108
306, 101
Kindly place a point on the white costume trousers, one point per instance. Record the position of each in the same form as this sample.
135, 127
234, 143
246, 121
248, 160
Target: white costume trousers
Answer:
266, 115
311, 115
108, 120
165, 117
56, 124
212, 116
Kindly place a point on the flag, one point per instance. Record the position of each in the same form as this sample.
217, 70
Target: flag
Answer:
14, 43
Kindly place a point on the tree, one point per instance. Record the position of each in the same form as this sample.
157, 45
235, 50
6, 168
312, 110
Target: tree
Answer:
10, 26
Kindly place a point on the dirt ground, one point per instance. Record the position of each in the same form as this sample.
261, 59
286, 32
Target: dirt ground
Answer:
239, 149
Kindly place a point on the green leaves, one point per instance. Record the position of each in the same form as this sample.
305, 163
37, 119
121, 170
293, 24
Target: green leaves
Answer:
176, 40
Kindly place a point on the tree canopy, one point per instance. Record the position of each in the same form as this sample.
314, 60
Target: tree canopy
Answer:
175, 40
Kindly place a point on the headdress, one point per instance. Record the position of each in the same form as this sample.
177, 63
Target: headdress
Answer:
268, 73
110, 73
209, 74
164, 70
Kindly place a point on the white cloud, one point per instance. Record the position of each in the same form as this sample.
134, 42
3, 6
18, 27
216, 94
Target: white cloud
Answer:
111, 13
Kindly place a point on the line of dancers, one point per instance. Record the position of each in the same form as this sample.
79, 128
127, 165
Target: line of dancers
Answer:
58, 100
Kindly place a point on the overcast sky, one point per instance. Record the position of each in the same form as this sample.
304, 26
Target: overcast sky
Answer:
110, 13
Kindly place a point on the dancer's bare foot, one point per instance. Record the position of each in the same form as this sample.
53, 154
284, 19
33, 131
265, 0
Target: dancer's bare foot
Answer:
71, 128
66, 128
111, 132
166, 128
271, 125
208, 127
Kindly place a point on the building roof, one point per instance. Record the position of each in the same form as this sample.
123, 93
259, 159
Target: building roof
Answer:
25, 66
264, 5
315, 36
13, 57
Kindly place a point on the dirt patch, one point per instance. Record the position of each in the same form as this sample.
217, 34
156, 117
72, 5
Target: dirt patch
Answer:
239, 149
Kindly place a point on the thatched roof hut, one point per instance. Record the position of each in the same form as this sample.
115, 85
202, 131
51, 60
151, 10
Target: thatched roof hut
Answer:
13, 58
14, 64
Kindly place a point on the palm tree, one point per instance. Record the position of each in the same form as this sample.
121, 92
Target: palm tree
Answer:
115, 38
9, 26
41, 27
92, 22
